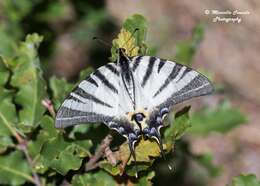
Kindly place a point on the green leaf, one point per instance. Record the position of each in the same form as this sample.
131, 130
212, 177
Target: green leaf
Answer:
14, 169
56, 151
145, 180
27, 77
47, 132
7, 39
60, 88
16, 10
206, 161
113, 170
7, 108
4, 72
221, 119
136, 21
178, 127
185, 50
245, 180
85, 73
5, 141
7, 113
54, 12
99, 178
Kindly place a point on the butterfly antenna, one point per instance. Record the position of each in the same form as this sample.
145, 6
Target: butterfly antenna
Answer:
132, 151
102, 41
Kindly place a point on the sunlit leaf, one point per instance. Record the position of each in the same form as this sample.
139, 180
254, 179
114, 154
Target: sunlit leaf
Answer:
129, 38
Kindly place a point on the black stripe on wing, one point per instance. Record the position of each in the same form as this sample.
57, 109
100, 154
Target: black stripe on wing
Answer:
161, 64
149, 70
175, 71
92, 81
67, 117
105, 81
80, 92
136, 62
199, 86
188, 69
112, 68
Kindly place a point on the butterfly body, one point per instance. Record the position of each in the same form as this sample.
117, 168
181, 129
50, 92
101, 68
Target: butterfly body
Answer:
132, 96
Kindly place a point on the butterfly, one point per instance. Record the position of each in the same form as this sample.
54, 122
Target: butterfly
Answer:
132, 96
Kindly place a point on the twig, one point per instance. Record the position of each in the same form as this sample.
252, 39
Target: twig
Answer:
23, 147
48, 104
92, 163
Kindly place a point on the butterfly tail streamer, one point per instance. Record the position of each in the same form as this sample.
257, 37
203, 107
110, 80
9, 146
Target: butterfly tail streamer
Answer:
158, 136
132, 151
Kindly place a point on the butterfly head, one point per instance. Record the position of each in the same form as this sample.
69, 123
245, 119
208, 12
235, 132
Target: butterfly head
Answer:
121, 52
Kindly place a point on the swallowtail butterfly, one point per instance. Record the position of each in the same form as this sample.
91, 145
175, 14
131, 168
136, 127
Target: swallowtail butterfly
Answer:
132, 96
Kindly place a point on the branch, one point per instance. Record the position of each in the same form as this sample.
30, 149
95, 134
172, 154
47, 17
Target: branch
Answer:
93, 161
49, 106
23, 147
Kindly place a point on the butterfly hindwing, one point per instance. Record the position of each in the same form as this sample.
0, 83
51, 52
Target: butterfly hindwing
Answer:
93, 100
164, 84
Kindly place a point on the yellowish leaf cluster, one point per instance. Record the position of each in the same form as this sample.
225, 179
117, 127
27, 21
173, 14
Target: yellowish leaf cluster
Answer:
126, 40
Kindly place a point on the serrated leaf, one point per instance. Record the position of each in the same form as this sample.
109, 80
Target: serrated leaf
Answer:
7, 112
65, 161
27, 77
14, 169
99, 178
46, 133
221, 119
245, 180
56, 151
60, 88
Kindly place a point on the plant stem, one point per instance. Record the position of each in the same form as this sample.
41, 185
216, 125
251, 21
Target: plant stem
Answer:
36, 178
22, 144
92, 163
48, 104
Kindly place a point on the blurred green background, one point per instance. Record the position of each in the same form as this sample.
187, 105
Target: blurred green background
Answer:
225, 138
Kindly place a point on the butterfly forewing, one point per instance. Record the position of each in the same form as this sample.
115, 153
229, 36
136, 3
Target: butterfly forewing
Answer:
166, 83
93, 100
